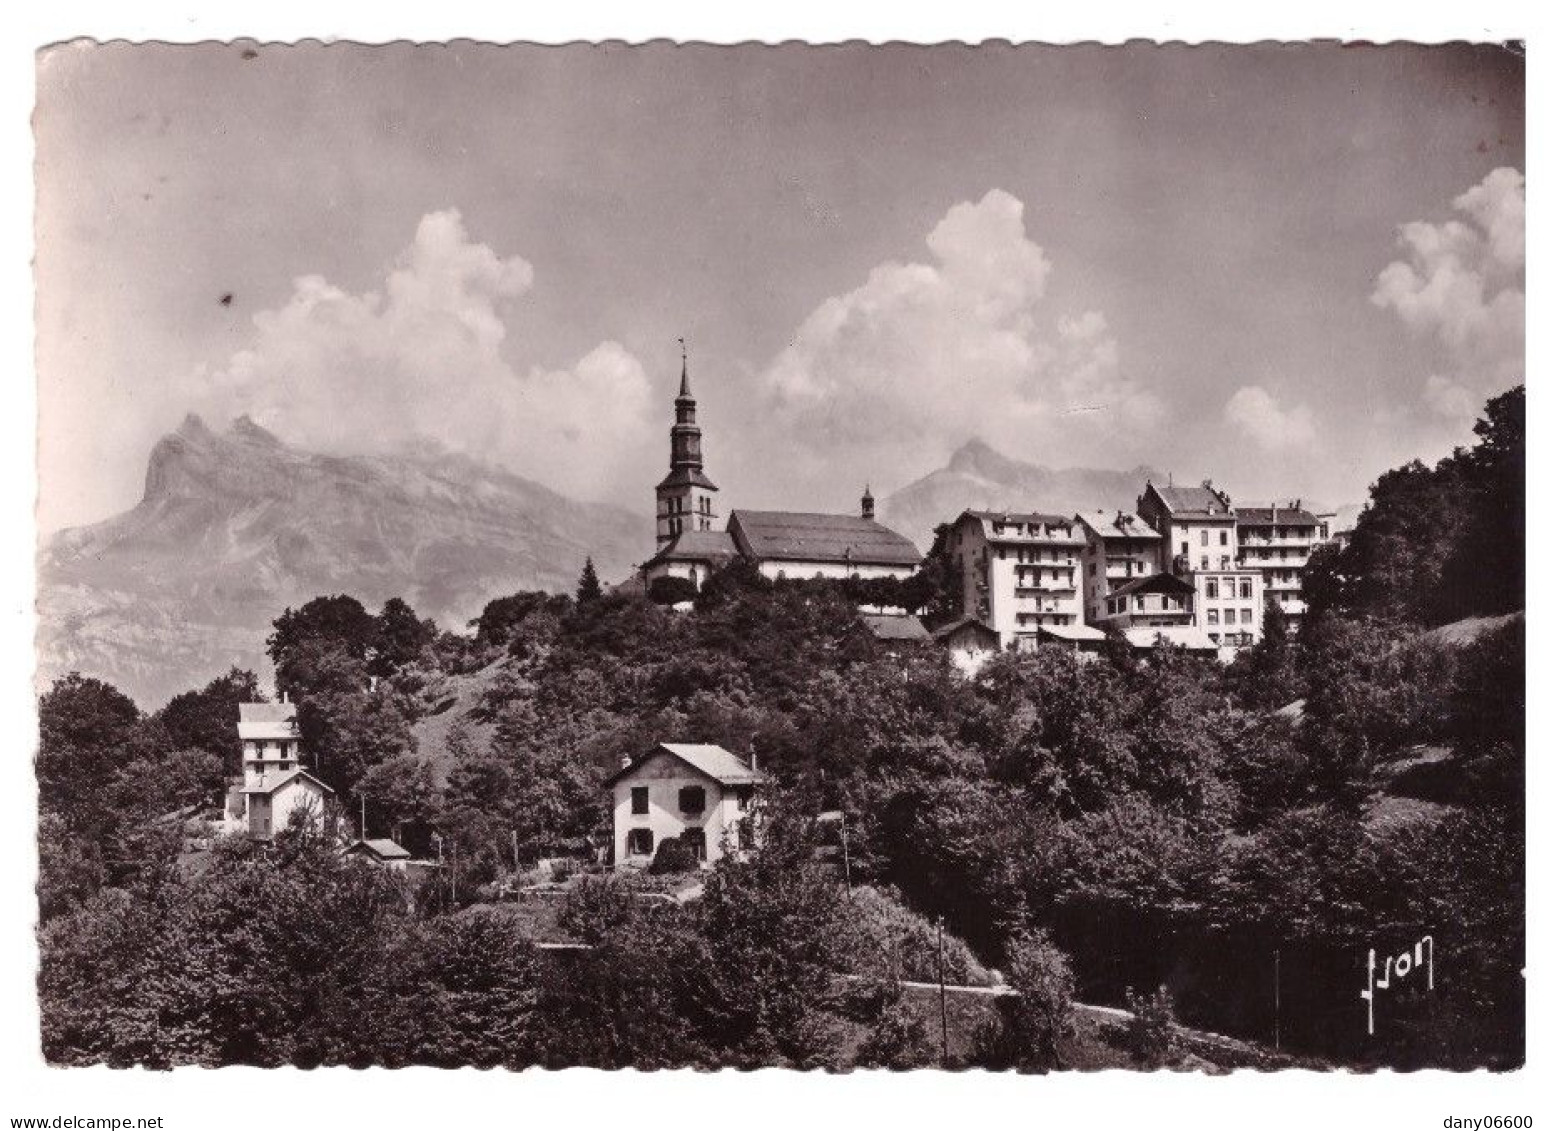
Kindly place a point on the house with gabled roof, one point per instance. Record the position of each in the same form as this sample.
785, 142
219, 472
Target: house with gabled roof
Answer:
276, 800
698, 793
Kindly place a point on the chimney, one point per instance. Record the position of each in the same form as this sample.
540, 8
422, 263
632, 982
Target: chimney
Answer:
753, 761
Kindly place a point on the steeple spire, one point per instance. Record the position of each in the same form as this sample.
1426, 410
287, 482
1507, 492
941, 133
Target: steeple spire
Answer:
683, 500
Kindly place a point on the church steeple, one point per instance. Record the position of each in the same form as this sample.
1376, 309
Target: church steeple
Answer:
684, 499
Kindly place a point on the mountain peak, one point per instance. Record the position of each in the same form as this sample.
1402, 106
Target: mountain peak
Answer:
194, 428
245, 428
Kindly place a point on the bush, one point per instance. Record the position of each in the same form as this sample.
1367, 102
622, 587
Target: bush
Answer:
898, 1039
671, 590
672, 857
875, 935
1152, 1032
1030, 1023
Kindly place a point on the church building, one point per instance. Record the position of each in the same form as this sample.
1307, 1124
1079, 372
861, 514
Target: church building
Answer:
781, 544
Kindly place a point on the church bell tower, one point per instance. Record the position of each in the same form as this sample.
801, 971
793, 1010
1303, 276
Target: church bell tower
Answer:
683, 501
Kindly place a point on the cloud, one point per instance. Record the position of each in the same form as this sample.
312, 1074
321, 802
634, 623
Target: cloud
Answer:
923, 356
424, 357
1460, 284
1263, 419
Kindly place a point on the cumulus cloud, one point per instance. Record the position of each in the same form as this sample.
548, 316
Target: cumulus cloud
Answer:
424, 357
1460, 283
923, 356
1262, 418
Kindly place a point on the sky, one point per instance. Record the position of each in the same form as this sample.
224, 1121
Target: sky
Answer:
1284, 268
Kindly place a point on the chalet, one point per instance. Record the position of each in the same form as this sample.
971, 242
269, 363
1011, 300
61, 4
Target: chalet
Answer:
276, 799
970, 642
697, 793
381, 851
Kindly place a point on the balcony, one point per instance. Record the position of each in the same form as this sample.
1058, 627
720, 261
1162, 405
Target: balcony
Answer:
1024, 589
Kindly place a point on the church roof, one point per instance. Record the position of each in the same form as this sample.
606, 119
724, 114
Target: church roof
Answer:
687, 477
697, 546
807, 537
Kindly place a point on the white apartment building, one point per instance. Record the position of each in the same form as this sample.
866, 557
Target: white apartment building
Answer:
1276, 541
1022, 576
1229, 607
1122, 554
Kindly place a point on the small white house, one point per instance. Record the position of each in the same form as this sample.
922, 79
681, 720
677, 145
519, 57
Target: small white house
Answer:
382, 852
697, 793
274, 800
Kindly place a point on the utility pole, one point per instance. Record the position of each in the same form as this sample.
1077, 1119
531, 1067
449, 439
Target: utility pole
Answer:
1278, 999
943, 1010
361, 816
846, 863
515, 833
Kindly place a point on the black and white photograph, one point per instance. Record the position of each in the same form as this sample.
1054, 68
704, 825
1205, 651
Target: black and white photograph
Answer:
835, 558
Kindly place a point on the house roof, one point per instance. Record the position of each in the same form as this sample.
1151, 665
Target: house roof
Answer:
1187, 637
808, 537
266, 720
895, 627
1121, 524
1154, 583
713, 761
954, 627
1033, 517
1191, 502
1072, 632
272, 783
697, 546
1275, 516
383, 847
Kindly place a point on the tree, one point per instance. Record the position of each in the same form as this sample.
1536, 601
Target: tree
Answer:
1032, 1022
671, 590
767, 965
84, 725
672, 857
589, 584
322, 626
477, 993
206, 719
400, 637
1152, 1031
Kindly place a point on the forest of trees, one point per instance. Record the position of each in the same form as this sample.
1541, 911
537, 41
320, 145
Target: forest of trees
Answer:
1088, 829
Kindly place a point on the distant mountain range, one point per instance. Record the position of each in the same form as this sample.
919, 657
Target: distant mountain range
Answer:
234, 526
